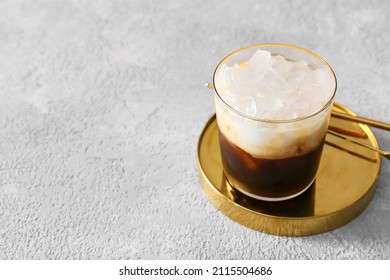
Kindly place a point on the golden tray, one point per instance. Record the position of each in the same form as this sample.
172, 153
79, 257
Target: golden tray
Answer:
343, 188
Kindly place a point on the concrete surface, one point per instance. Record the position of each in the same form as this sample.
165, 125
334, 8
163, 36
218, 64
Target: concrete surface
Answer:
102, 104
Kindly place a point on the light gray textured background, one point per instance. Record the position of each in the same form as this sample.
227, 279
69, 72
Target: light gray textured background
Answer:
102, 104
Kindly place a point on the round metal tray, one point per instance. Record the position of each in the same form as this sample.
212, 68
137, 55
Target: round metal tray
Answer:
343, 188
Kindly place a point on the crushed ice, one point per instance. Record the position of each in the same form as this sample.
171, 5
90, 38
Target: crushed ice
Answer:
271, 87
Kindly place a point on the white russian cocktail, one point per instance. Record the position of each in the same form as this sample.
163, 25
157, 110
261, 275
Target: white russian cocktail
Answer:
273, 104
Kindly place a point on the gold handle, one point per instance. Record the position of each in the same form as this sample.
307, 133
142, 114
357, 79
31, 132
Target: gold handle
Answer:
211, 86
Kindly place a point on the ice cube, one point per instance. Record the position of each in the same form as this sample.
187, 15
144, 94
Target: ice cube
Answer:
259, 64
247, 105
299, 66
244, 104
324, 80
238, 80
280, 65
244, 77
277, 82
268, 104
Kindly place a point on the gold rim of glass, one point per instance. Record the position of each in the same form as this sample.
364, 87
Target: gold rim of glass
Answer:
282, 46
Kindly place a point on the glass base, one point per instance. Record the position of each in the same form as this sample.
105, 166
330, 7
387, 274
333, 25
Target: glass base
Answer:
271, 198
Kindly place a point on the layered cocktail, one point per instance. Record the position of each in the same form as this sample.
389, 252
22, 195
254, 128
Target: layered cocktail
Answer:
273, 105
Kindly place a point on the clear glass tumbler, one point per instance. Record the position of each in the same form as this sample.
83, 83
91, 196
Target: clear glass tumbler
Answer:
265, 158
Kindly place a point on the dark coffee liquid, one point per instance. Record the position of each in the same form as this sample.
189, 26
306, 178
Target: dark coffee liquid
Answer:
271, 178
